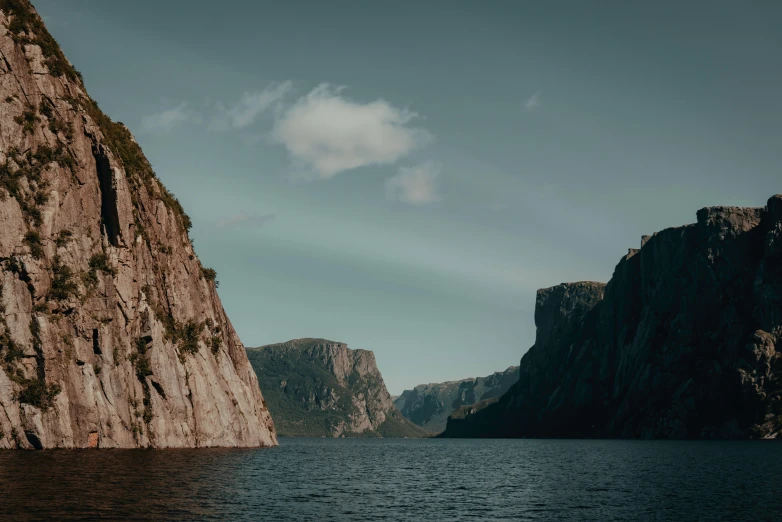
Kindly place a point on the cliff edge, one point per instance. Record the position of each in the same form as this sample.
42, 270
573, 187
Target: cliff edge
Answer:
317, 387
681, 343
111, 331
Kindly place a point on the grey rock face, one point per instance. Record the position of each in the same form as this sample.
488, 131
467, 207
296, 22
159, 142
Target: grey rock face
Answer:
429, 405
110, 333
316, 387
681, 343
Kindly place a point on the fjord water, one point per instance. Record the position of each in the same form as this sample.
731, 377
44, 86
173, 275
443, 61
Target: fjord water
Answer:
401, 479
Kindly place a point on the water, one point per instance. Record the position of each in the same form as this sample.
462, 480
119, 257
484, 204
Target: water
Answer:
393, 479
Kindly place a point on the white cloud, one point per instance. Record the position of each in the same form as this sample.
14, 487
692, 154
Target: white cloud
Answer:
329, 134
415, 185
242, 218
243, 113
164, 121
533, 102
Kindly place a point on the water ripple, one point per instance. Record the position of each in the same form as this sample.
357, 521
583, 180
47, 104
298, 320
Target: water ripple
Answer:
401, 480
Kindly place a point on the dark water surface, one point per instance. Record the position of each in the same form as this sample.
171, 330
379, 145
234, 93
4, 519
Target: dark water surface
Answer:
377, 479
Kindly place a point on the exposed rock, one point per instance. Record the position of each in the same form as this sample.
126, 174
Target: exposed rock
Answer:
110, 336
429, 405
681, 343
316, 387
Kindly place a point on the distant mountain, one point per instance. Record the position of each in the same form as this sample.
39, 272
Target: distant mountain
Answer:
316, 387
683, 342
428, 405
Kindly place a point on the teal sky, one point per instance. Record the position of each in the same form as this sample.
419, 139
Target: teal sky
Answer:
403, 176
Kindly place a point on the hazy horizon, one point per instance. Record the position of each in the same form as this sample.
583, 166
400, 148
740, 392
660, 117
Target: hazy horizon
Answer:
403, 177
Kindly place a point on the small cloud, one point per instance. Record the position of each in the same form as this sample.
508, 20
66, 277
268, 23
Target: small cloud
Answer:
533, 102
328, 133
243, 218
415, 185
243, 113
163, 122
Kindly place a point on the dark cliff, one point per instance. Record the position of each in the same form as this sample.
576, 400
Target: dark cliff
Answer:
681, 343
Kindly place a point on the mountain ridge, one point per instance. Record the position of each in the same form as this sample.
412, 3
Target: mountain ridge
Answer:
429, 405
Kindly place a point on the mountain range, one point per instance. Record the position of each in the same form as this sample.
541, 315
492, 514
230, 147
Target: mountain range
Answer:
112, 334
429, 405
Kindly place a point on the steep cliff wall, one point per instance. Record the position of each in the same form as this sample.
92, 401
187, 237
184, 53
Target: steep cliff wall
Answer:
681, 343
111, 332
316, 387
429, 405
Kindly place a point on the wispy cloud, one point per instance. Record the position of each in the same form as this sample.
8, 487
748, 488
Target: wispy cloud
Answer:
243, 113
162, 122
328, 133
415, 185
533, 102
242, 218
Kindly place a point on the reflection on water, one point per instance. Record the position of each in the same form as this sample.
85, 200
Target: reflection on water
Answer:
376, 479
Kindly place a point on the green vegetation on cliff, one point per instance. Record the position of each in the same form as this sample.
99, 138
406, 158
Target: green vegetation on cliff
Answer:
319, 388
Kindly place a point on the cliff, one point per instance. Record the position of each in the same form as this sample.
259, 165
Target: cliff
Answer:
429, 405
111, 331
681, 343
316, 387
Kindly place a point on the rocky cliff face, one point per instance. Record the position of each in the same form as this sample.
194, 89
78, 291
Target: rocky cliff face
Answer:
111, 332
316, 387
681, 343
429, 405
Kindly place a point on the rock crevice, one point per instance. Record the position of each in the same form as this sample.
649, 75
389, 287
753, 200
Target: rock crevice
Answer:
108, 194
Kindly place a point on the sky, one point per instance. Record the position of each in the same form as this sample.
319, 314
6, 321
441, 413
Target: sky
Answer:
403, 176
